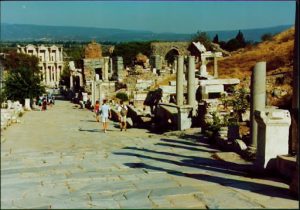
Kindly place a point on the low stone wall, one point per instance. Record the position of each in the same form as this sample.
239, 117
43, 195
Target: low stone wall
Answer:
10, 112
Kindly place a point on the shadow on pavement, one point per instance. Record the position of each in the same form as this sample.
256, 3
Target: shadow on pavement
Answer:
205, 164
89, 121
260, 188
182, 147
202, 163
90, 130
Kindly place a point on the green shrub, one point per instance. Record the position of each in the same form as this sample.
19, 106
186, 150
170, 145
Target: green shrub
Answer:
122, 96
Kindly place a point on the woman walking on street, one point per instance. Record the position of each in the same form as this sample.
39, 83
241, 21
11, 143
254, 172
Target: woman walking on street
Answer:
97, 110
105, 115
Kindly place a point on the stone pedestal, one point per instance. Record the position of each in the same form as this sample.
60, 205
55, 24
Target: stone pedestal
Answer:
184, 117
27, 104
272, 136
9, 104
203, 71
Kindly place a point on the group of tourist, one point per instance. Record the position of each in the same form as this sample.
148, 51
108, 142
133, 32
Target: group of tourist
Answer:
44, 101
105, 112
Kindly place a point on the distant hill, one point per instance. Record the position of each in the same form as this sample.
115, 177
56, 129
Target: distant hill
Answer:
23, 32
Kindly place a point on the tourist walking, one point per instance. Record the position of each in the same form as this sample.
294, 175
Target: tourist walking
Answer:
122, 110
44, 104
105, 114
97, 110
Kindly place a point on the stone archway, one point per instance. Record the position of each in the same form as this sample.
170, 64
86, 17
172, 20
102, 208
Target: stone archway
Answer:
171, 56
160, 50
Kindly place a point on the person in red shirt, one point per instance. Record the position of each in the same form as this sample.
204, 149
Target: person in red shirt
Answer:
97, 110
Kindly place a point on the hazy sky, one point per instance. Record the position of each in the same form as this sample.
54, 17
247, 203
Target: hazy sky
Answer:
156, 16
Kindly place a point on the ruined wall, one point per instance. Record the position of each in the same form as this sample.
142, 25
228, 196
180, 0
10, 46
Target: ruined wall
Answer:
93, 50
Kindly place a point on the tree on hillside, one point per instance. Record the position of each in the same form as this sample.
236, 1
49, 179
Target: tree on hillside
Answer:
23, 79
236, 43
129, 50
240, 38
216, 39
266, 37
203, 38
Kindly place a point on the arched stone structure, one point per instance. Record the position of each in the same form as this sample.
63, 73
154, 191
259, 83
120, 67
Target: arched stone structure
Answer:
171, 56
162, 48
160, 52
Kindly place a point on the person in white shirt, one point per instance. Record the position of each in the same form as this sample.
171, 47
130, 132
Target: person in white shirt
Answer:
105, 115
122, 110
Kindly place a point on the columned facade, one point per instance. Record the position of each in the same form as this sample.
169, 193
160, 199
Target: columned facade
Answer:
50, 61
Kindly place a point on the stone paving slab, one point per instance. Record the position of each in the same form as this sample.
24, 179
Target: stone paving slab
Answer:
186, 201
159, 202
162, 192
214, 198
136, 204
78, 166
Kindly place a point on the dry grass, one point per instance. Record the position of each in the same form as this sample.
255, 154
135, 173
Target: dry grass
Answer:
278, 53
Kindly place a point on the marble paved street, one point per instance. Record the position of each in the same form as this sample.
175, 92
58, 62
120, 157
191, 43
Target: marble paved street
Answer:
61, 159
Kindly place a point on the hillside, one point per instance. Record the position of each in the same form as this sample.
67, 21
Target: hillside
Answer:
24, 32
278, 53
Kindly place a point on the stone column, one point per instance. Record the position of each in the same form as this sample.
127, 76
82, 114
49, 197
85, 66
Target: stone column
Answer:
191, 81
106, 67
93, 92
175, 65
57, 74
258, 97
179, 81
52, 75
80, 80
100, 94
216, 67
57, 53
111, 66
71, 81
47, 75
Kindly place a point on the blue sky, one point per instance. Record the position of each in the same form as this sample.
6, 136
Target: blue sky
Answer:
162, 16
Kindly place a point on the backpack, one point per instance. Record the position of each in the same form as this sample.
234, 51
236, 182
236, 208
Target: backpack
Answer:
123, 111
